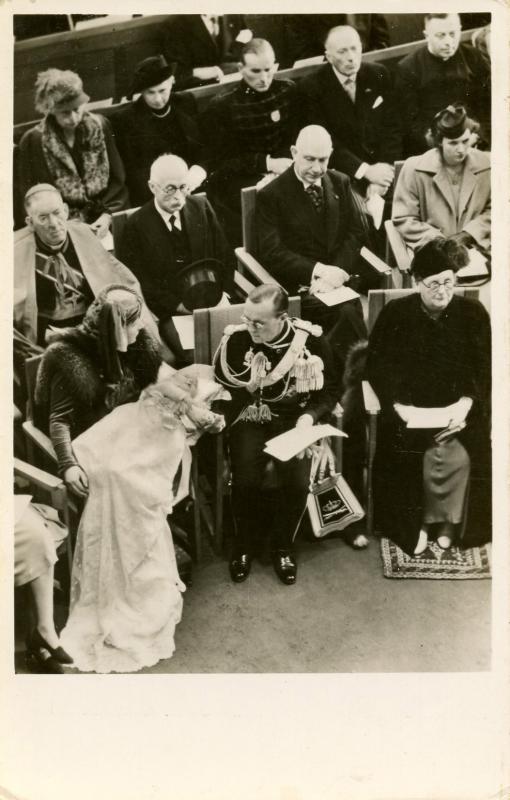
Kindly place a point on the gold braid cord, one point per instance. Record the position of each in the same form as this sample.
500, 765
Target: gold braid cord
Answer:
297, 363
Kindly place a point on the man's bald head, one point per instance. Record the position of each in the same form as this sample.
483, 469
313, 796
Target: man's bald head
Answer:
46, 214
169, 182
312, 152
343, 49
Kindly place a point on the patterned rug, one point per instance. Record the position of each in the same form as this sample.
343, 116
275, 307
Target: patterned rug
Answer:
436, 563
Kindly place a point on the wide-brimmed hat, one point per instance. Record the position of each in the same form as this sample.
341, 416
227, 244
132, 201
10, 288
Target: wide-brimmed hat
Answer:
151, 72
201, 283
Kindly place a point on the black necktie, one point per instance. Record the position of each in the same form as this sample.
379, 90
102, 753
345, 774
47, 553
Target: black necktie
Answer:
315, 194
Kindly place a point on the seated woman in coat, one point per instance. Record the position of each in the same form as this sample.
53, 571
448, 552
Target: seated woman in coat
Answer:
431, 349
447, 190
73, 150
120, 423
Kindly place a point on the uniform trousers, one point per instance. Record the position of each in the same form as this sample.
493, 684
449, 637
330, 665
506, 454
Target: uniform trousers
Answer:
260, 510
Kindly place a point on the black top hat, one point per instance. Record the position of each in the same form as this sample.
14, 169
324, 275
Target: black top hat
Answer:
201, 283
150, 72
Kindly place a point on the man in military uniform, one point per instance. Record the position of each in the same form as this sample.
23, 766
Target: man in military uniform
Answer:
279, 372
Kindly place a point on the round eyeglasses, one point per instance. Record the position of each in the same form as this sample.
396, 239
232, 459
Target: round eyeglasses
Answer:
435, 285
170, 191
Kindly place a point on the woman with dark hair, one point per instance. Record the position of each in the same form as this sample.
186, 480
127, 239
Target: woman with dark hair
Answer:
447, 190
73, 150
431, 349
120, 422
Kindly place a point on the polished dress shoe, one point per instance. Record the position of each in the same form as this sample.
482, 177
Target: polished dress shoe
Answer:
240, 567
58, 654
285, 567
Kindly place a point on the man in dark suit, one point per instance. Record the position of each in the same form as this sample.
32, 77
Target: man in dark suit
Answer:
354, 102
165, 236
249, 132
205, 46
308, 32
440, 73
310, 235
158, 122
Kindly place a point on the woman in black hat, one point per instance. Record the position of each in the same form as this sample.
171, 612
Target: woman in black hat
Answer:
157, 122
431, 349
73, 150
447, 190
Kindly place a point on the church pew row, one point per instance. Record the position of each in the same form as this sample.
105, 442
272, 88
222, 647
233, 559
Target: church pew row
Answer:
202, 95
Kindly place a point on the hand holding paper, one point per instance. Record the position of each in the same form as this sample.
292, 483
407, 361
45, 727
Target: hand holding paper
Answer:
289, 444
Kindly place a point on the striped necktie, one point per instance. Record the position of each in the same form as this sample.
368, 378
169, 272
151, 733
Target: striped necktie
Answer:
350, 88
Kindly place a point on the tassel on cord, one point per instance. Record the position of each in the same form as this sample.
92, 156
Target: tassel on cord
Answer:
308, 371
259, 367
256, 412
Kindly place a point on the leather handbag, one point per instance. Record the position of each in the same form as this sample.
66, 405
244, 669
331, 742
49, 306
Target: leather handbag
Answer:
331, 503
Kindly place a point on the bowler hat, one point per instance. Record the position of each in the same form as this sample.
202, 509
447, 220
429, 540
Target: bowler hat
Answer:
151, 72
201, 283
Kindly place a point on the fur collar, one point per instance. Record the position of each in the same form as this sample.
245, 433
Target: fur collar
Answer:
76, 362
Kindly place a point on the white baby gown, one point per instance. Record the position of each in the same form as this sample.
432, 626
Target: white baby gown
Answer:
125, 589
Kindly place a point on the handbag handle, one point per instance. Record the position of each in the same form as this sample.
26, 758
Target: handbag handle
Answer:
317, 454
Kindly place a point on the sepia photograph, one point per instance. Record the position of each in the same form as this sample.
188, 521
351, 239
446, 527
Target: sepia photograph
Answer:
254, 318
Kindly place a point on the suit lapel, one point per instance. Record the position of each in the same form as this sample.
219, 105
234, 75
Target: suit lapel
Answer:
443, 185
194, 228
298, 200
467, 187
207, 44
345, 108
364, 93
331, 206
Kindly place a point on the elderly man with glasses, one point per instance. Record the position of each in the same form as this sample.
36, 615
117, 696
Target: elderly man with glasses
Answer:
280, 375
169, 236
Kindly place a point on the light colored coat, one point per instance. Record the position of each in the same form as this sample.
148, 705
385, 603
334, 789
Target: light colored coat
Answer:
423, 204
99, 267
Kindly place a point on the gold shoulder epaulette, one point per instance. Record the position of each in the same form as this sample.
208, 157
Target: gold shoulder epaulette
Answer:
306, 325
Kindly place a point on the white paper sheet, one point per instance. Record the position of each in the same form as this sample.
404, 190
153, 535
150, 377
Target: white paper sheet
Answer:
429, 417
288, 444
336, 296
374, 261
477, 266
186, 331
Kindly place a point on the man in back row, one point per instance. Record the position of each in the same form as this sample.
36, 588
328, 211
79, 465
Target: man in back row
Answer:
310, 235
249, 131
440, 73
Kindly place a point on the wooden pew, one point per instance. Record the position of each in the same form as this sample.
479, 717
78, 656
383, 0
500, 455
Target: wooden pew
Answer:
136, 39
390, 56
104, 56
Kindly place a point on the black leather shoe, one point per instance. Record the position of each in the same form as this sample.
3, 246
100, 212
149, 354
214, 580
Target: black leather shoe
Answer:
285, 567
57, 653
240, 568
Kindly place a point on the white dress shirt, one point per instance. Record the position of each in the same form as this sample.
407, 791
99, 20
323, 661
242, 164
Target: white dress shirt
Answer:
165, 216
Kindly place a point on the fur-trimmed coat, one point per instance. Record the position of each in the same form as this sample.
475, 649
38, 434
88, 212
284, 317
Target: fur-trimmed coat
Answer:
72, 392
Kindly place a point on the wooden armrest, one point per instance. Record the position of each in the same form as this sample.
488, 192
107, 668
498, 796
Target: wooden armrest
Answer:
242, 283
36, 475
250, 264
398, 247
40, 439
375, 262
370, 399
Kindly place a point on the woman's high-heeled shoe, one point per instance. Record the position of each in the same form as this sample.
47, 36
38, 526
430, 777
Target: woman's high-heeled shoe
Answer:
42, 666
57, 653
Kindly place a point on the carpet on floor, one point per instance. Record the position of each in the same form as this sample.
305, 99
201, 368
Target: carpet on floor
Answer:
436, 563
